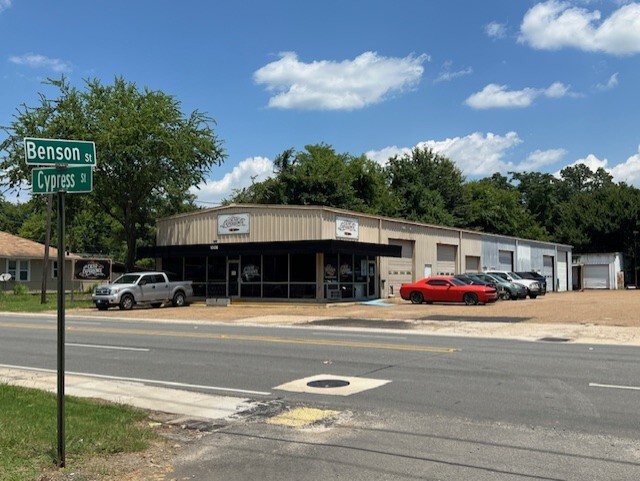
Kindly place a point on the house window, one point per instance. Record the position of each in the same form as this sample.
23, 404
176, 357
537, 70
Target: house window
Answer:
54, 270
19, 270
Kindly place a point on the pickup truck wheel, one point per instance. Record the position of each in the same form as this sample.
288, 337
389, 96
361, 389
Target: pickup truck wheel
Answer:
178, 299
126, 302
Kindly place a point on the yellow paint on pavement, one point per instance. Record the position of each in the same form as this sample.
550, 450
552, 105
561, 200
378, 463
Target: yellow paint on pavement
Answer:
237, 337
301, 417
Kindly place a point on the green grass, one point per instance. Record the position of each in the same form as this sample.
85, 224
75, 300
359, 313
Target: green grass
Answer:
10, 302
28, 432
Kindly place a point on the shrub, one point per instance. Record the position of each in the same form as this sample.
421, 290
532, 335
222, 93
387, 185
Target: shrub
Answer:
20, 289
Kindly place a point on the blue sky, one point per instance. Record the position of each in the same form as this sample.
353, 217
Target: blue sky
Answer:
496, 85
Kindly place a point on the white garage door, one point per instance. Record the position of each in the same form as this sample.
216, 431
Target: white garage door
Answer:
400, 269
446, 259
596, 277
562, 272
547, 272
505, 260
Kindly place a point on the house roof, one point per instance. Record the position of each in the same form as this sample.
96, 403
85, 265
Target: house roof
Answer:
14, 247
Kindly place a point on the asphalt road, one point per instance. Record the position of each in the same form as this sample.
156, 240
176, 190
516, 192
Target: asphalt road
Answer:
453, 408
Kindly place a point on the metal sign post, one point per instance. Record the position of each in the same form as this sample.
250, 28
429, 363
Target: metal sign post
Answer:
61, 251
73, 162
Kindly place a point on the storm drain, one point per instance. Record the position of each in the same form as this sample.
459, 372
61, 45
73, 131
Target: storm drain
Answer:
328, 383
554, 339
332, 385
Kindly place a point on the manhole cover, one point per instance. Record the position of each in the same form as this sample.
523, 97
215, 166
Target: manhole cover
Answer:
328, 383
554, 339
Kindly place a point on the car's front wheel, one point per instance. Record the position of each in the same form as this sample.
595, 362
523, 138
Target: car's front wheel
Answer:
126, 302
416, 297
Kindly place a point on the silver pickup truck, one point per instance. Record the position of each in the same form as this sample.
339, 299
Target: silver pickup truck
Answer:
153, 288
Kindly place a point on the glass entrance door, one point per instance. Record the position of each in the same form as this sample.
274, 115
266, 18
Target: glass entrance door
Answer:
233, 277
371, 277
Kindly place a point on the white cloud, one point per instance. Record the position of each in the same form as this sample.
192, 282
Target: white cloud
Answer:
476, 154
611, 83
447, 74
628, 171
346, 85
40, 61
497, 96
4, 4
496, 30
541, 158
555, 24
215, 191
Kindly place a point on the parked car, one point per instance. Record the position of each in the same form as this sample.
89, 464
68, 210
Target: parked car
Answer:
473, 278
153, 288
533, 287
506, 290
536, 276
447, 289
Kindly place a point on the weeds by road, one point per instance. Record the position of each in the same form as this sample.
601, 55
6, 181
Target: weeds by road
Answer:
28, 432
10, 302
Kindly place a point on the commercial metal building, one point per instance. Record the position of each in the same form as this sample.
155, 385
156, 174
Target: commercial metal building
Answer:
598, 271
326, 254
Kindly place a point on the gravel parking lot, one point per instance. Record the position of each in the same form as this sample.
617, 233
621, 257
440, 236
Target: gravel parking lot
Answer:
580, 316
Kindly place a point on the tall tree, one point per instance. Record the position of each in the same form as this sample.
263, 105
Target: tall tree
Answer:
148, 153
428, 185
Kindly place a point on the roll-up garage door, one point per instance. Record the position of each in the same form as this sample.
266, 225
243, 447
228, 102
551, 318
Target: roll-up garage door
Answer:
547, 272
596, 276
562, 272
472, 264
446, 259
400, 268
506, 260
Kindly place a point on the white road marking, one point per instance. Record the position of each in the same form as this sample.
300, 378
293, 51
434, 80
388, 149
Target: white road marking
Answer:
140, 380
115, 348
614, 386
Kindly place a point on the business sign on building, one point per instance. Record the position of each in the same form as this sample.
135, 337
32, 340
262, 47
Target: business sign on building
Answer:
233, 224
92, 270
346, 228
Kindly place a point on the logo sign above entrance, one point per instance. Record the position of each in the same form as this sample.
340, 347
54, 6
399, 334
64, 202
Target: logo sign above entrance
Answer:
346, 228
233, 224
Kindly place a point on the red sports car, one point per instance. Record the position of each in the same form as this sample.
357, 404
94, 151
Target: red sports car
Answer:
447, 289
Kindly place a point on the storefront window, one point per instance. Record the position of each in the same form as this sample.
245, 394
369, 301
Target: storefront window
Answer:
276, 291
251, 269
302, 291
276, 268
346, 268
303, 268
195, 270
216, 277
173, 266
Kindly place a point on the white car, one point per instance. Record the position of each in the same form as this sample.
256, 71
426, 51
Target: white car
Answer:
533, 287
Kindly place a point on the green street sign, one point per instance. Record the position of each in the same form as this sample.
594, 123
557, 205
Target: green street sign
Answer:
62, 179
59, 152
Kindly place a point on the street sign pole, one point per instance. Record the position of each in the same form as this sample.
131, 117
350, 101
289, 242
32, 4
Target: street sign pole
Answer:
61, 252
73, 162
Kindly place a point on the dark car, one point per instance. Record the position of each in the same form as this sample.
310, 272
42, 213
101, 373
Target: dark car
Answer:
536, 277
508, 290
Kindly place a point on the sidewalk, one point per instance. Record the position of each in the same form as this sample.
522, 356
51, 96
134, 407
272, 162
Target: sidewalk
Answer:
183, 405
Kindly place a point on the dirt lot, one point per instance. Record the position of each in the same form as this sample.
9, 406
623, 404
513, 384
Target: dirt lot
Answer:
588, 317
603, 308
